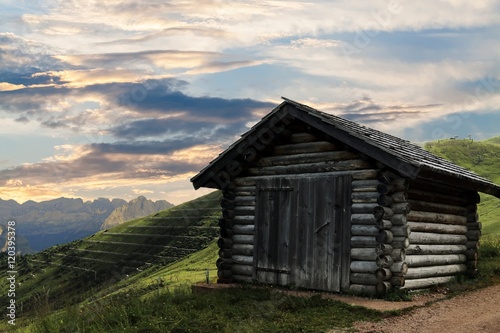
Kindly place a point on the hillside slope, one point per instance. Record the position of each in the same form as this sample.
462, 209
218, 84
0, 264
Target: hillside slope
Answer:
483, 158
70, 273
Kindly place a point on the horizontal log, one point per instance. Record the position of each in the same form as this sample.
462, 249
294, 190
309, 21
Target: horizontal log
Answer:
223, 263
384, 200
363, 254
363, 208
307, 158
362, 289
427, 196
472, 245
242, 278
310, 167
419, 260
398, 254
381, 212
363, 278
383, 287
224, 273
364, 230
244, 229
434, 187
358, 197
387, 177
248, 200
474, 225
398, 281
363, 241
306, 147
398, 219
228, 195
244, 210
364, 266
437, 207
365, 185
399, 197
244, 220
401, 208
245, 249
433, 238
384, 261
471, 265
303, 137
242, 270
383, 274
226, 233
242, 260
473, 235
385, 188
438, 228
363, 219
427, 282
383, 224
400, 242
472, 217
226, 223
383, 249
471, 255
245, 189
355, 174
228, 213
399, 267
435, 249
225, 253
432, 271
227, 204
420, 216
224, 243
401, 231
243, 239
384, 236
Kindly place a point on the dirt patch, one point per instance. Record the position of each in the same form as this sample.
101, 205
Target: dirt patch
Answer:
476, 311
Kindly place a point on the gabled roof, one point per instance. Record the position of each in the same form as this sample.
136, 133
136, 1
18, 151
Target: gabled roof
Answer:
404, 157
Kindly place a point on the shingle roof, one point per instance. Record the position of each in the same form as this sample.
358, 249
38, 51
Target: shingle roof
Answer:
408, 159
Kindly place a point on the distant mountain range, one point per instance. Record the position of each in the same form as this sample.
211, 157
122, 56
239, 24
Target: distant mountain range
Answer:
40, 225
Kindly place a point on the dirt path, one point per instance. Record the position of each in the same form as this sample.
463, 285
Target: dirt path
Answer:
477, 311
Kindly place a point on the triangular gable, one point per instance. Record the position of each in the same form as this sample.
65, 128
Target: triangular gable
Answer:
407, 159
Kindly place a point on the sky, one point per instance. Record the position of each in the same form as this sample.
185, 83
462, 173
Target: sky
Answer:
122, 98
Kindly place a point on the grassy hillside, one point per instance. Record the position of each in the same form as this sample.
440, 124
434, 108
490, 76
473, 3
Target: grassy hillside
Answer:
92, 267
483, 158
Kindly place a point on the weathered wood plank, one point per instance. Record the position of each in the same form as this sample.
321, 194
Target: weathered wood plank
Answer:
435, 260
437, 228
433, 271
426, 282
306, 158
306, 147
420, 216
433, 238
310, 167
364, 278
435, 249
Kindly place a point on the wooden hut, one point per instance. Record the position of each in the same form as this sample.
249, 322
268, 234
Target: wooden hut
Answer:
315, 201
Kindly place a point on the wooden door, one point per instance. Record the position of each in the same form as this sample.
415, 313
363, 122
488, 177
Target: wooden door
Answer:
303, 232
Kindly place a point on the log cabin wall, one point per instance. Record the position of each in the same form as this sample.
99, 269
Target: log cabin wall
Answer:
303, 153
444, 234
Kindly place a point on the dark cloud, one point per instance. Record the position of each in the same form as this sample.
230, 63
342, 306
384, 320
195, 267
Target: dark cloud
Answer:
121, 160
146, 147
20, 55
368, 111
